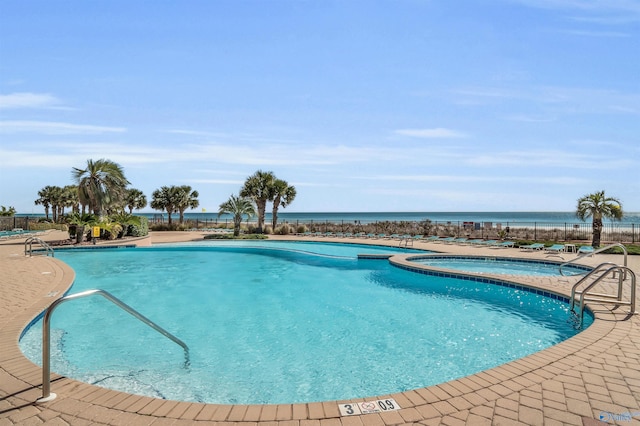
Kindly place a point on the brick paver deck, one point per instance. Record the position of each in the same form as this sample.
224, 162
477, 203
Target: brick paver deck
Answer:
593, 375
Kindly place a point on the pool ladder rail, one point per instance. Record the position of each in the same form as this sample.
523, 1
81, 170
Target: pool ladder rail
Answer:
600, 250
599, 273
47, 395
28, 246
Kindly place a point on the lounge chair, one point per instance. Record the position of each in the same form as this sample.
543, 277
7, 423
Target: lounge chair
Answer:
459, 241
532, 247
556, 248
473, 242
504, 244
446, 240
487, 243
587, 250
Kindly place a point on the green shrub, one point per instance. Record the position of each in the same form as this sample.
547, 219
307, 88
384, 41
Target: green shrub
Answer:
283, 230
163, 227
140, 229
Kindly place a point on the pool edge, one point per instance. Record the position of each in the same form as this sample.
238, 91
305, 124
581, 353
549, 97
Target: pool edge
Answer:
482, 389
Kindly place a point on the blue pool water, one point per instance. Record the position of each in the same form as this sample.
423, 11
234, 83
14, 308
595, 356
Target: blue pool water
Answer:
17, 233
281, 326
501, 266
323, 248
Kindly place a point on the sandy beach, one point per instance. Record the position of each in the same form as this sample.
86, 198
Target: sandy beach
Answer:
594, 375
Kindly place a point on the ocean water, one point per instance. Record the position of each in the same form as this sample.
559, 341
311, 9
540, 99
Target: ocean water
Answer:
504, 218
371, 217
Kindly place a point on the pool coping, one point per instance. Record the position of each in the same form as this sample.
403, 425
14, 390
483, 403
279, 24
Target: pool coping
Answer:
590, 373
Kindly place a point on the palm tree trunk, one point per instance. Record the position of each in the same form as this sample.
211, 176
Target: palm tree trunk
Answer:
262, 205
597, 232
274, 214
237, 221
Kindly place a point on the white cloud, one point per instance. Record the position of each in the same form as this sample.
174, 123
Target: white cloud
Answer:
27, 100
54, 128
555, 180
435, 133
218, 181
529, 118
605, 11
551, 159
582, 33
555, 100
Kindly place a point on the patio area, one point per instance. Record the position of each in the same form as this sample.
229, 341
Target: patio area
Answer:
592, 378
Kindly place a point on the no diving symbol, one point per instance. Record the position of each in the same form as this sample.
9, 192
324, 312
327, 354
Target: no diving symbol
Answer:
368, 406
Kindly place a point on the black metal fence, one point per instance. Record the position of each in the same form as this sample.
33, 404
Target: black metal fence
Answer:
536, 231
8, 223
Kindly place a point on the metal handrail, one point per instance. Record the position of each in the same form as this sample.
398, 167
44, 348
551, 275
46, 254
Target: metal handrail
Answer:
597, 269
30, 242
47, 395
601, 249
604, 298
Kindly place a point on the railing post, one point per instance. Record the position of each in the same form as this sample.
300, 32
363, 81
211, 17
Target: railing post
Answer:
46, 357
47, 395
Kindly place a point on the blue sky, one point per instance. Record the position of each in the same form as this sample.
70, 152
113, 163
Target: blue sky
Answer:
502, 105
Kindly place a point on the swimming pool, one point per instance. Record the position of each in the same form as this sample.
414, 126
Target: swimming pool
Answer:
273, 325
350, 250
500, 265
16, 233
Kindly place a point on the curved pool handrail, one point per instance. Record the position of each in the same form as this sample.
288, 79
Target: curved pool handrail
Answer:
29, 242
586, 296
47, 395
600, 250
598, 269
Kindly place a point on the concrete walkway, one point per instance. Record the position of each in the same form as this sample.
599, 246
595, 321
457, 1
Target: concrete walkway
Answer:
594, 375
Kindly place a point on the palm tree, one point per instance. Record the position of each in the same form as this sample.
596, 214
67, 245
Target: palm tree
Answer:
186, 199
11, 211
57, 201
100, 184
69, 198
46, 195
135, 199
238, 207
598, 206
258, 188
282, 195
165, 199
